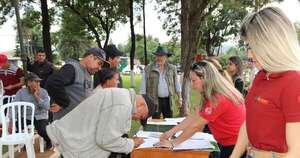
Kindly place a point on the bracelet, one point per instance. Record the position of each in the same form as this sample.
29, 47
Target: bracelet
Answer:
172, 145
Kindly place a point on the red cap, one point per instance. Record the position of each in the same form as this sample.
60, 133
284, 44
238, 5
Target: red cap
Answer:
3, 60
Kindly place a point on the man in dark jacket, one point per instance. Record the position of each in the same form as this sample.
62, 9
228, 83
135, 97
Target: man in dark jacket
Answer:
73, 82
41, 67
113, 60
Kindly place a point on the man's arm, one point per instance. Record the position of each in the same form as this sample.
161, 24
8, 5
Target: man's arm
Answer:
20, 76
56, 85
112, 124
43, 99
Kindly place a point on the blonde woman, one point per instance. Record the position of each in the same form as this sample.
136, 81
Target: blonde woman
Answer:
219, 67
223, 110
273, 103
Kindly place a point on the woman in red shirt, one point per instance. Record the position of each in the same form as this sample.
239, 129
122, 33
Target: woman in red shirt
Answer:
273, 103
223, 110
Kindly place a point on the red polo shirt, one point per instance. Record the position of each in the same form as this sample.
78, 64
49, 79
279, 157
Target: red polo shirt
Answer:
225, 119
272, 102
11, 76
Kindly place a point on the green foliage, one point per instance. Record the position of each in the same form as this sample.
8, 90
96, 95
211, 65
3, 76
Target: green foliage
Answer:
100, 17
219, 26
73, 39
224, 23
152, 43
6, 10
233, 51
170, 12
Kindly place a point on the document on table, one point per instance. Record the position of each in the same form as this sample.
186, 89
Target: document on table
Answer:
148, 134
200, 135
176, 119
149, 142
191, 144
198, 141
166, 121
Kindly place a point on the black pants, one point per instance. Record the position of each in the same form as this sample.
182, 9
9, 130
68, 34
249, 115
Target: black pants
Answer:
40, 126
164, 107
227, 150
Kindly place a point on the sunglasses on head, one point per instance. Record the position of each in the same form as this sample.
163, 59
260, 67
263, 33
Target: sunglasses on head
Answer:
198, 65
198, 68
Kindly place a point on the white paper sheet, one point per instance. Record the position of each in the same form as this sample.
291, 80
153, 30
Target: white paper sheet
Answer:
177, 119
200, 135
166, 121
191, 144
148, 134
149, 142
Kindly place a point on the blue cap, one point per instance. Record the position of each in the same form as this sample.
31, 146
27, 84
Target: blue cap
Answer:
98, 52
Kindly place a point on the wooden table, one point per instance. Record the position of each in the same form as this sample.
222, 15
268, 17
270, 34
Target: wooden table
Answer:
166, 153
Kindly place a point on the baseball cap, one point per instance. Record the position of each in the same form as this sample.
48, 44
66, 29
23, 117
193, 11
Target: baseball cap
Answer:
112, 51
33, 77
100, 53
3, 60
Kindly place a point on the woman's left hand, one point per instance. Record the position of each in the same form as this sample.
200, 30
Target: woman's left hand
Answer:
164, 144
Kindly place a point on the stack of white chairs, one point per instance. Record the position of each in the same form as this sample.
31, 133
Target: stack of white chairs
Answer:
21, 134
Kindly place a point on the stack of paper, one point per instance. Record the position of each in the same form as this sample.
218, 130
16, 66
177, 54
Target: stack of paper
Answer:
200, 135
166, 121
191, 144
149, 142
148, 134
198, 141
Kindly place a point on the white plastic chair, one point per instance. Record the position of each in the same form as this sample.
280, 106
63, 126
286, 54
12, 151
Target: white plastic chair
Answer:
8, 98
17, 112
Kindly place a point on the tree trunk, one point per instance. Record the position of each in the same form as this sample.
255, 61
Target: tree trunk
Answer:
192, 16
132, 50
20, 33
184, 52
145, 36
107, 32
46, 30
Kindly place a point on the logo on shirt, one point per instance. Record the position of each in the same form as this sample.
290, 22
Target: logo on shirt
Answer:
261, 100
208, 110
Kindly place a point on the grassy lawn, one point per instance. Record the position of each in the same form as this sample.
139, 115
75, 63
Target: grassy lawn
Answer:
195, 99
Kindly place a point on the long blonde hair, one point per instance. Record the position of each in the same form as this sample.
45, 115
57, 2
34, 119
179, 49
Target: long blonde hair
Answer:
273, 39
214, 83
219, 67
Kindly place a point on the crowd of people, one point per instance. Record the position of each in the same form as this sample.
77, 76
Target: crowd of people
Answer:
91, 117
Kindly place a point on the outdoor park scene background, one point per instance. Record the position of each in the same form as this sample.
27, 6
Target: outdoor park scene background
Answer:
137, 27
